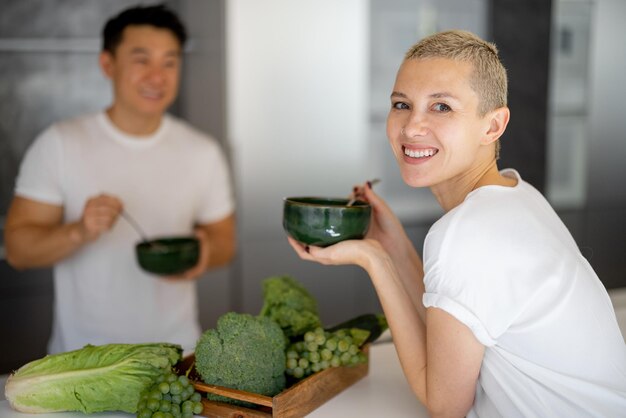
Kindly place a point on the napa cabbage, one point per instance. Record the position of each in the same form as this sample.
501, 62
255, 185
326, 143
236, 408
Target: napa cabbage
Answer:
92, 379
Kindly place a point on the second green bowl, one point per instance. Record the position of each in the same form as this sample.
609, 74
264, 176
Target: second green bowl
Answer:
168, 256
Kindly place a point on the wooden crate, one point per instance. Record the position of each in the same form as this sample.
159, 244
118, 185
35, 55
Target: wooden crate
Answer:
295, 401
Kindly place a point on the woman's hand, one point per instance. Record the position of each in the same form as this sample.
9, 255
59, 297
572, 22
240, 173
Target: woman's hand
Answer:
358, 252
385, 227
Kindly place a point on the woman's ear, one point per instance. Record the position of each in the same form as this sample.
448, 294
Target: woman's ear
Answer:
106, 63
497, 121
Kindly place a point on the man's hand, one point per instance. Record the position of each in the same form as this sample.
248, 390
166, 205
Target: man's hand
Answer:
217, 247
203, 261
99, 215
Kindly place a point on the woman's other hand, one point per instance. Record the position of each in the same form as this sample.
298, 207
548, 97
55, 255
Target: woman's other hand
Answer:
385, 226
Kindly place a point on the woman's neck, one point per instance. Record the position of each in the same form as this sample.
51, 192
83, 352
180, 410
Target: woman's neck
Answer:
453, 192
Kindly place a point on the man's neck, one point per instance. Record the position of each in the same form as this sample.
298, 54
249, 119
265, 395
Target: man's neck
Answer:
133, 124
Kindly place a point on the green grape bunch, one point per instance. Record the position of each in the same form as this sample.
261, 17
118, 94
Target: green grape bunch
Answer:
171, 396
320, 350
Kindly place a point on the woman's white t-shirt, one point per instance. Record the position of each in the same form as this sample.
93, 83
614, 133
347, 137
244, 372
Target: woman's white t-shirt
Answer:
168, 181
505, 265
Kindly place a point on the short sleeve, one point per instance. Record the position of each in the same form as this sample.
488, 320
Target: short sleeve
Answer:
453, 296
39, 176
484, 269
462, 314
219, 200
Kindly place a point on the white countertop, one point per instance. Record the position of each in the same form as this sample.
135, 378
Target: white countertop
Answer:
384, 392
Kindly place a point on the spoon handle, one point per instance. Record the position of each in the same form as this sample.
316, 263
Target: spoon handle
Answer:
134, 224
353, 200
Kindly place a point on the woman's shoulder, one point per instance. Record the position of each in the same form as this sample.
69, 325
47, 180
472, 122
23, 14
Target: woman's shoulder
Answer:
480, 212
492, 216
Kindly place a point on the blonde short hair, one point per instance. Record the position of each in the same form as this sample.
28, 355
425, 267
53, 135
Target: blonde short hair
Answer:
488, 79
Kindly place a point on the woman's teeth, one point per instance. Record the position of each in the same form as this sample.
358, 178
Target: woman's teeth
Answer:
420, 153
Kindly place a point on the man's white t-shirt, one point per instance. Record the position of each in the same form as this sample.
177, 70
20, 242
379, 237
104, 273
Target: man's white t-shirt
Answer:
505, 265
168, 182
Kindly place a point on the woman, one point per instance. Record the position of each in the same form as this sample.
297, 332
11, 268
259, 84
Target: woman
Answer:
504, 317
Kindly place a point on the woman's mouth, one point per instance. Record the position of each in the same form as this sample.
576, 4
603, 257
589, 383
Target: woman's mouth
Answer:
419, 153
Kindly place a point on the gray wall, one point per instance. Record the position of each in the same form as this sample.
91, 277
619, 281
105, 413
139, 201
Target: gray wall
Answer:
605, 218
607, 127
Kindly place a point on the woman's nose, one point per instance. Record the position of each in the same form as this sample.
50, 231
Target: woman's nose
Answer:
415, 127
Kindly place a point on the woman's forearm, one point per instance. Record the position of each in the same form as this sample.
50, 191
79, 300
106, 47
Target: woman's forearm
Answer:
408, 330
411, 272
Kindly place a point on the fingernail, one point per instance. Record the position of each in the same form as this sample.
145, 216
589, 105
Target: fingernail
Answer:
369, 184
354, 189
307, 249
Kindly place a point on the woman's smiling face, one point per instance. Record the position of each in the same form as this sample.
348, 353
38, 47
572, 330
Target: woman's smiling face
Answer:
433, 125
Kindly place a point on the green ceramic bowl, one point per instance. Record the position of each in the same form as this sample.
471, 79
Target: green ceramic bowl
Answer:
325, 221
168, 256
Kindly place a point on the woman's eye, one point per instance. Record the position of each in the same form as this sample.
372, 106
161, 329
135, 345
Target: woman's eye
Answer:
441, 107
400, 105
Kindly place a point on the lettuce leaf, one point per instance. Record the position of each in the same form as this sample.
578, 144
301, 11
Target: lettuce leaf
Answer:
92, 379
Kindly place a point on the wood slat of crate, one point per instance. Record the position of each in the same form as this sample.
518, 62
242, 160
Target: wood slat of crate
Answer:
295, 401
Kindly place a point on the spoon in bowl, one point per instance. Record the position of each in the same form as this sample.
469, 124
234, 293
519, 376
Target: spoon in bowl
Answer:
354, 198
134, 224
124, 213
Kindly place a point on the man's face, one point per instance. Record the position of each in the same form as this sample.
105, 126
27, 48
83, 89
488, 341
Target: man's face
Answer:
433, 124
144, 70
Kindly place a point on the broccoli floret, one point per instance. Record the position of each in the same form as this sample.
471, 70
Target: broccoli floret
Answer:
243, 352
290, 305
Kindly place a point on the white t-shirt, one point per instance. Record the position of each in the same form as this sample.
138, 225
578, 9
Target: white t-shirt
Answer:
168, 182
505, 265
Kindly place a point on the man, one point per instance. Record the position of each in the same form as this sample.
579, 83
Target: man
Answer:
79, 175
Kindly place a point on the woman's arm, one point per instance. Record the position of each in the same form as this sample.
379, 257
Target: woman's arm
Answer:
440, 357
387, 229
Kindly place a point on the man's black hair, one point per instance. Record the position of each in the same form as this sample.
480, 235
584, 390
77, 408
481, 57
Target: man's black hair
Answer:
156, 15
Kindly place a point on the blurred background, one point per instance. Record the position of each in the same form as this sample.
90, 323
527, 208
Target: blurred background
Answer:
297, 94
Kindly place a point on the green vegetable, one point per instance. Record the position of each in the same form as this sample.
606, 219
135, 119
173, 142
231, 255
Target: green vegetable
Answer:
290, 305
376, 324
244, 352
92, 379
320, 350
170, 394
